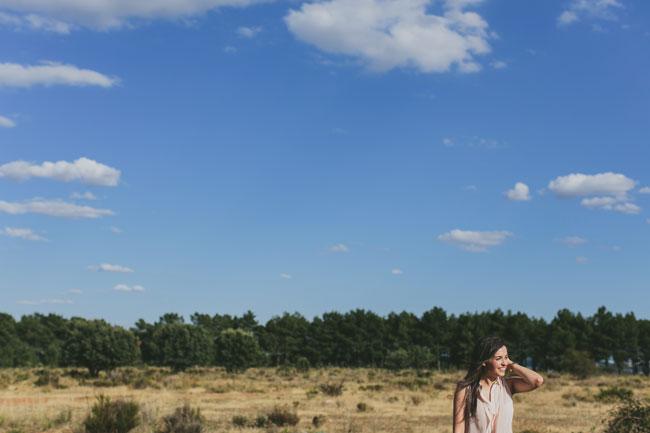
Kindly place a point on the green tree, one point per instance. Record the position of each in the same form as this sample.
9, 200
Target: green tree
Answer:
237, 350
14, 353
179, 345
97, 345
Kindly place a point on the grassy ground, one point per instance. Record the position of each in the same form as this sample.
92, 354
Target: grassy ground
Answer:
373, 401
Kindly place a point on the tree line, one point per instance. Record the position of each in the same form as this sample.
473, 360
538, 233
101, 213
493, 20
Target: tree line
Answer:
570, 342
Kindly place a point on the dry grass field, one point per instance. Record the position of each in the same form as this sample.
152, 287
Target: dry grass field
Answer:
371, 400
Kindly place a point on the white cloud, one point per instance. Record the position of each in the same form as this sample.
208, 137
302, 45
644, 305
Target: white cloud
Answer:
617, 204
76, 291
471, 188
582, 260
647, 221
645, 190
573, 241
286, 276
229, 49
22, 233
33, 22
6, 122
127, 288
499, 64
339, 248
520, 192
475, 241
577, 10
46, 301
107, 267
387, 34
579, 184
397, 271
83, 196
55, 208
248, 32
608, 191
50, 74
83, 169
107, 14
116, 230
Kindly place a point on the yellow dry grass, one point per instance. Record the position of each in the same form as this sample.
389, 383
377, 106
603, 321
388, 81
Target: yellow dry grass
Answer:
400, 402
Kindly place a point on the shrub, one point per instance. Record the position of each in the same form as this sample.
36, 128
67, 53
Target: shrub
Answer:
331, 389
631, 417
261, 421
282, 416
184, 419
362, 407
302, 364
107, 416
47, 377
318, 420
239, 421
614, 394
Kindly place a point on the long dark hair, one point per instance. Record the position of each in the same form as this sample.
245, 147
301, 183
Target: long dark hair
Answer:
484, 350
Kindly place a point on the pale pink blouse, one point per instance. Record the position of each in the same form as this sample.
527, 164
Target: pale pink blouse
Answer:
493, 414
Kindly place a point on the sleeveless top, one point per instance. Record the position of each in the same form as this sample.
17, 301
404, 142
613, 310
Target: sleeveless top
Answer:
493, 415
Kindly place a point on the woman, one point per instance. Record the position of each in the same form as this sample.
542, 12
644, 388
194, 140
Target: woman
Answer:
483, 400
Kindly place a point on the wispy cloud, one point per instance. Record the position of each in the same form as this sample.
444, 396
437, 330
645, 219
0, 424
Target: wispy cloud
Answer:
396, 271
473, 142
107, 267
127, 288
475, 241
581, 260
22, 233
83, 196
6, 122
339, 248
105, 15
51, 74
75, 291
398, 34
573, 241
286, 276
55, 208
116, 230
84, 170
33, 22
248, 32
645, 190
46, 302
579, 10
520, 192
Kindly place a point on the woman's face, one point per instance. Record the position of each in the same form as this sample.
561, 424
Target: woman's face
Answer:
496, 366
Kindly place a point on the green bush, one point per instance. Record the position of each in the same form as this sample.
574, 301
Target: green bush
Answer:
282, 416
302, 364
184, 419
613, 394
631, 417
107, 416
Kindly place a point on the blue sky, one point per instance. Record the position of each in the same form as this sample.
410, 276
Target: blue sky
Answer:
226, 155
